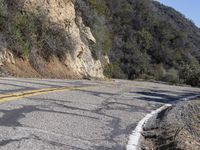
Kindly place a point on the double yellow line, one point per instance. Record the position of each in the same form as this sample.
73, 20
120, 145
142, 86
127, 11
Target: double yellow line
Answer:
14, 96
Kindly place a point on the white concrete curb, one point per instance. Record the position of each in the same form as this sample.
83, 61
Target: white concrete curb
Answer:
135, 137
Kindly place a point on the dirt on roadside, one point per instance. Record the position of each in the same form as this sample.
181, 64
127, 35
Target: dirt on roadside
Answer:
3, 72
50, 69
177, 128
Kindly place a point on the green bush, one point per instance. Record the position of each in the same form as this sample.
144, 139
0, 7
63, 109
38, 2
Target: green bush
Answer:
26, 31
190, 74
145, 39
107, 43
20, 42
22, 31
159, 71
108, 70
171, 76
99, 6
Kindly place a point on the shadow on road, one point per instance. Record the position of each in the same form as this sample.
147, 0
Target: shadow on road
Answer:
163, 96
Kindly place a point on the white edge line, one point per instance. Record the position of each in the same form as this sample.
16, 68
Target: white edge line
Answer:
135, 137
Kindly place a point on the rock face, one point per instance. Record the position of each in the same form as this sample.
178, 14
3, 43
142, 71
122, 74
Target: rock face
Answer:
62, 14
5, 54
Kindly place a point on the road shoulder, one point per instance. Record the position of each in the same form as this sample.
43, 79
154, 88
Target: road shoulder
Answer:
176, 128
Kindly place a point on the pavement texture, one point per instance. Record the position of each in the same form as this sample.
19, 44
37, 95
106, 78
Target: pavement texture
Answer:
98, 116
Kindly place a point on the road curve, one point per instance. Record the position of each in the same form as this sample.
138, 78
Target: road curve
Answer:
79, 114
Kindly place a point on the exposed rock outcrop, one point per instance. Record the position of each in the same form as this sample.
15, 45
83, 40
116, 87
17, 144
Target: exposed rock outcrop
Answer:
5, 55
78, 61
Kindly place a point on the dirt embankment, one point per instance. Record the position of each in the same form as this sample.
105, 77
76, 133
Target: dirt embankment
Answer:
52, 69
177, 128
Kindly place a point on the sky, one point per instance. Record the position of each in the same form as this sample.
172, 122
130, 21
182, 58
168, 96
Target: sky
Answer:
189, 8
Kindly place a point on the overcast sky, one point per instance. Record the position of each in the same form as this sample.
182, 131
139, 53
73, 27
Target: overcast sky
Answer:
190, 8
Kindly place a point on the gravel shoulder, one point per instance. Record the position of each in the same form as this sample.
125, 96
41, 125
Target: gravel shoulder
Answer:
177, 128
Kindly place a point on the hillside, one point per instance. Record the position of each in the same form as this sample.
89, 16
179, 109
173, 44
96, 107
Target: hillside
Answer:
144, 39
72, 39
42, 38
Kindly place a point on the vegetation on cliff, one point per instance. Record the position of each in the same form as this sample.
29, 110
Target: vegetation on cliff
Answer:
51, 38
146, 40
143, 38
25, 30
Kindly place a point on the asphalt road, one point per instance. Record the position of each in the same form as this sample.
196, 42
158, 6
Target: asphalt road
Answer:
98, 115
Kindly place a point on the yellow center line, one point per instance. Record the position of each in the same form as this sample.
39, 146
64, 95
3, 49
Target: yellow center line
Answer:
14, 96
17, 95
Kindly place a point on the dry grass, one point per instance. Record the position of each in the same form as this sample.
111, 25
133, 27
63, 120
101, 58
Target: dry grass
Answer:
21, 68
52, 69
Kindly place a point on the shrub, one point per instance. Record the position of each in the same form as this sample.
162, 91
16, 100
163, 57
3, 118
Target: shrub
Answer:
107, 43
190, 73
171, 76
144, 38
159, 71
99, 6
19, 43
27, 31
108, 70
22, 33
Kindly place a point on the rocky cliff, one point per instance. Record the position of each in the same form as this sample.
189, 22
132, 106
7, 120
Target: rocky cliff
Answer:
47, 38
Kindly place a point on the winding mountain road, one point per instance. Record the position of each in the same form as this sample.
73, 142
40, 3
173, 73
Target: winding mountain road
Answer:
52, 114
